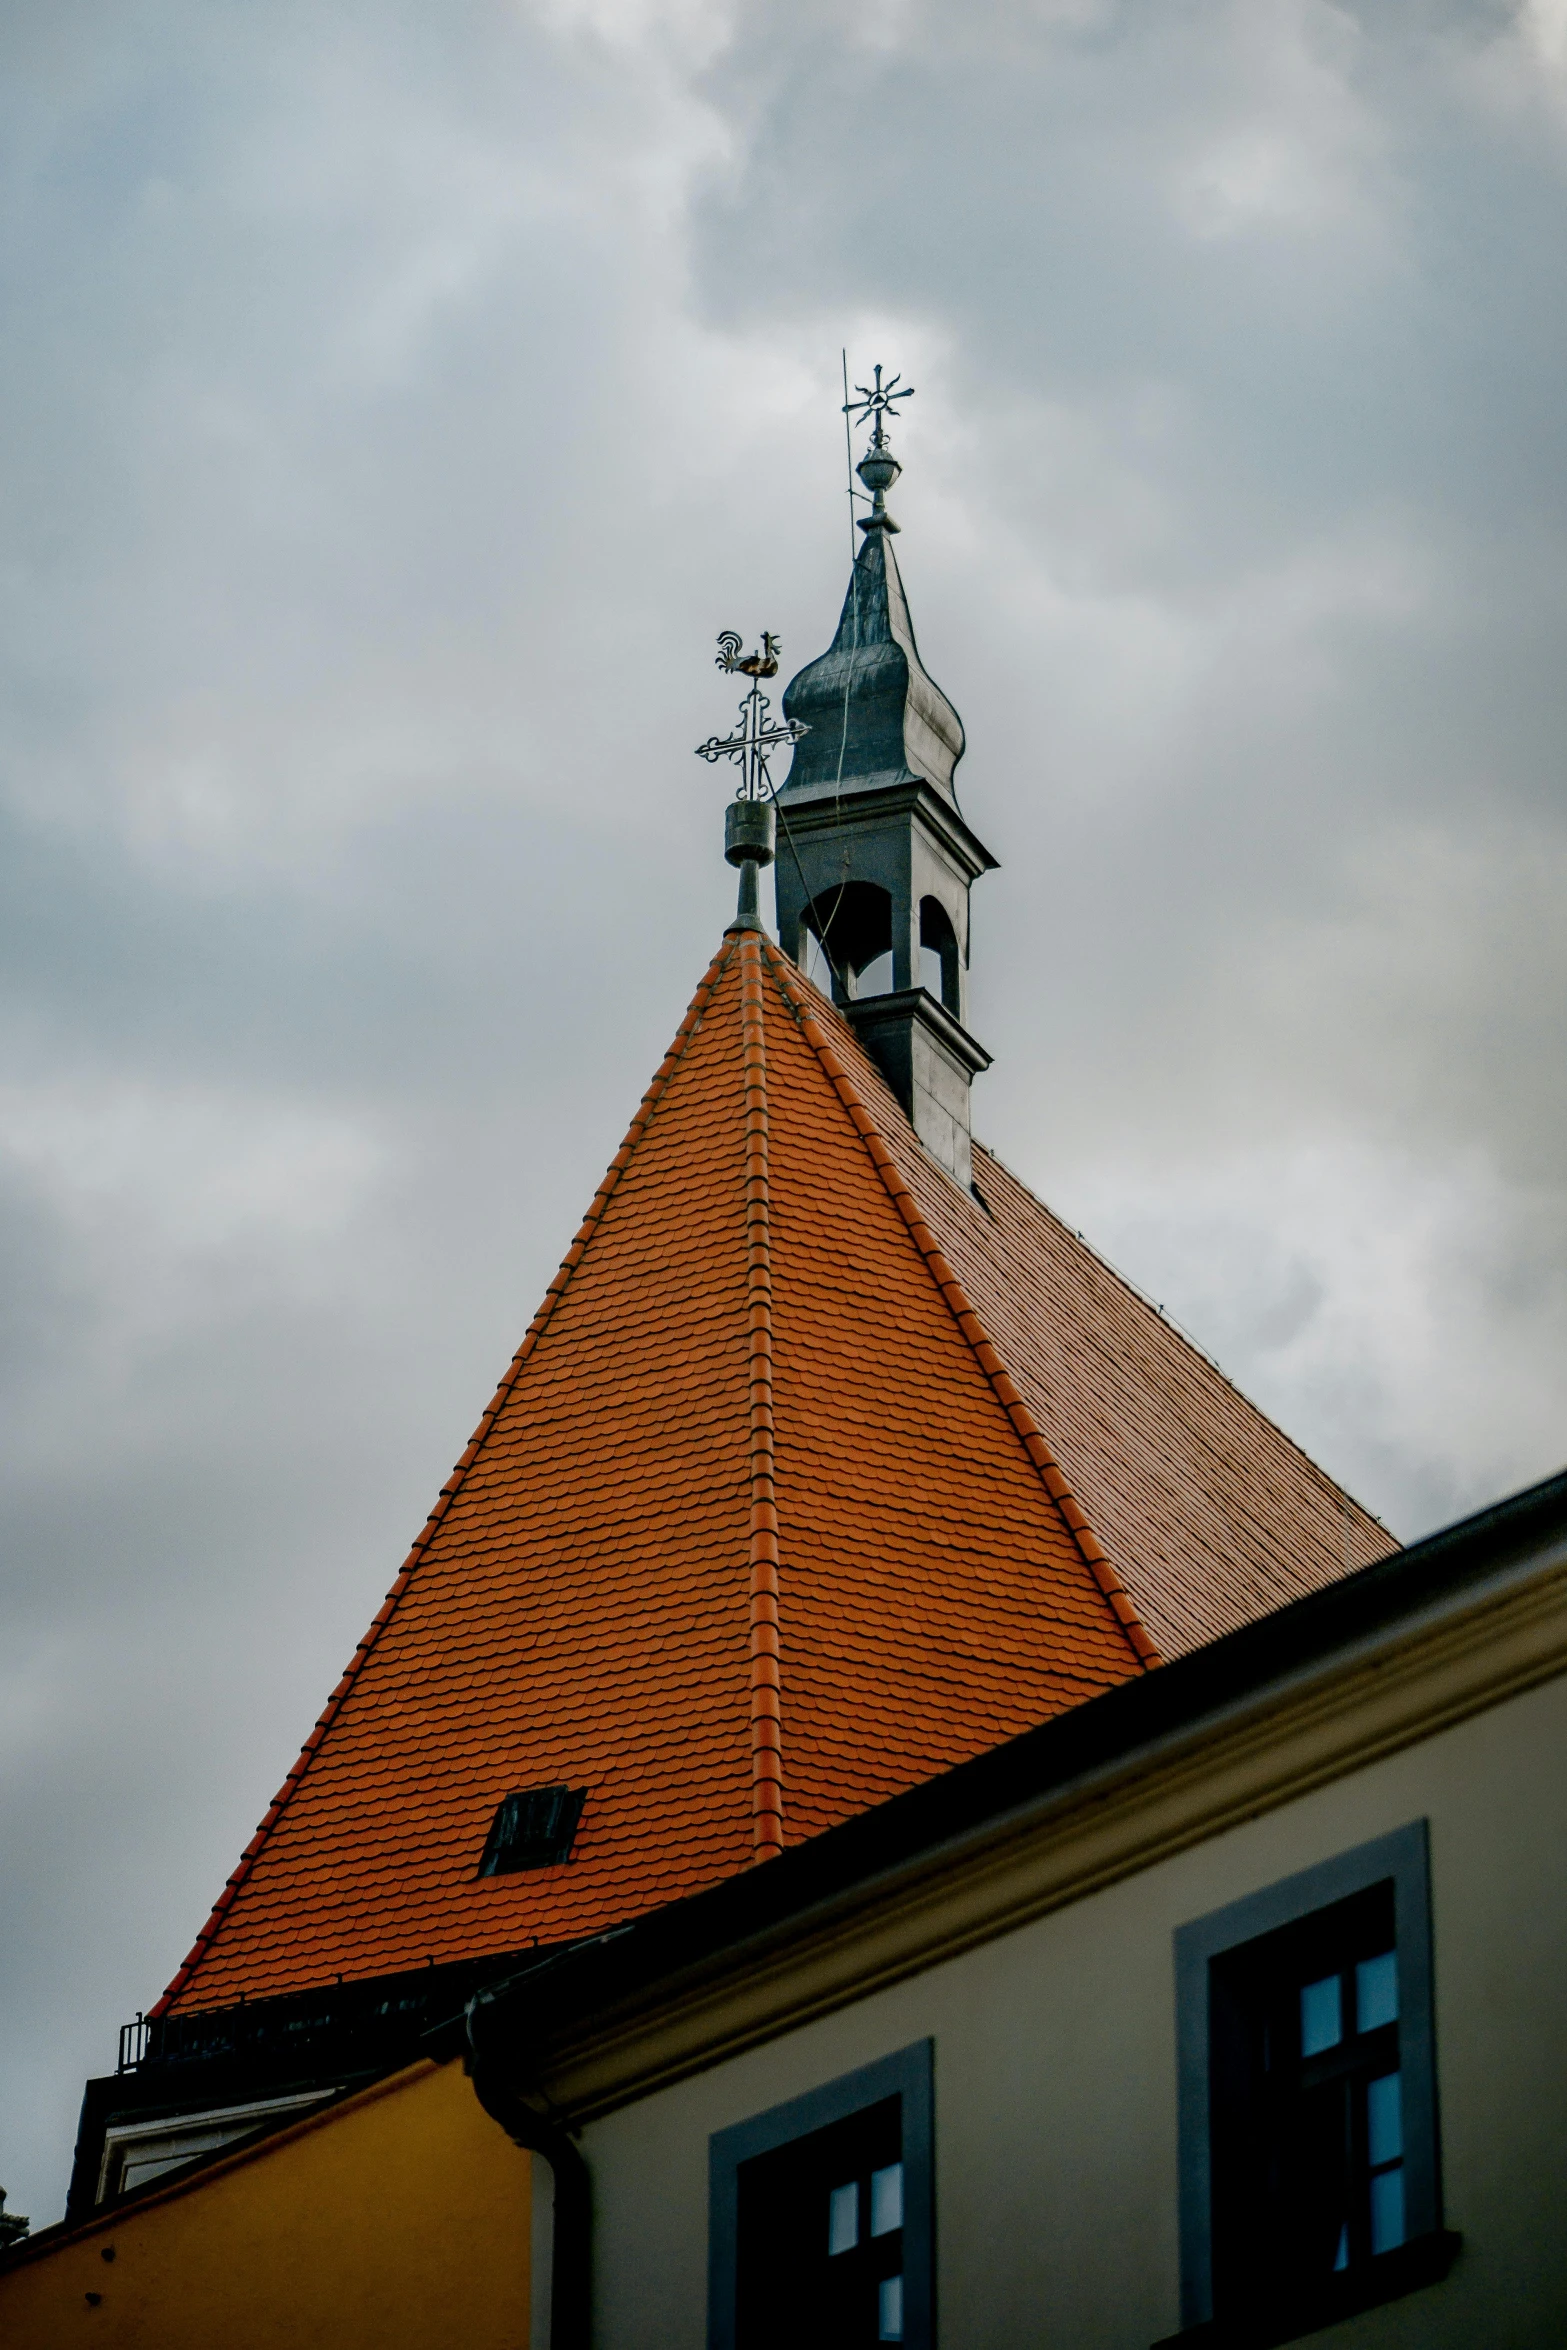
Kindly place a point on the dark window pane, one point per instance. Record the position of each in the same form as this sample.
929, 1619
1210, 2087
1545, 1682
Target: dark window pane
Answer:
1376, 1992
1321, 2016
887, 2199
1384, 2121
1313, 2175
889, 2310
1290, 2079
1387, 2210
809, 2273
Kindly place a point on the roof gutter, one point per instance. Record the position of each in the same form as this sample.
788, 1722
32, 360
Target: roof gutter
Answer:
582, 1986
583, 1982
493, 2068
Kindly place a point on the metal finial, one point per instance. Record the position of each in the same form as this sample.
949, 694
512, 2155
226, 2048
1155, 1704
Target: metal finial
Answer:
757, 733
748, 820
875, 405
878, 468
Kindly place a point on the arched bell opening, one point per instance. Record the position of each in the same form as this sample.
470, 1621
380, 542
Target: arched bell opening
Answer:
846, 932
940, 964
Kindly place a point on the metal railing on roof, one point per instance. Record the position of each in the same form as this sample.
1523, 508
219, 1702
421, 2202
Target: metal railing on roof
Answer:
135, 2040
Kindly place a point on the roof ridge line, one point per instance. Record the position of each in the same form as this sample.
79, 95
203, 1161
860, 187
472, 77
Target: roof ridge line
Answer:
766, 1731
1146, 1297
378, 1622
1034, 1441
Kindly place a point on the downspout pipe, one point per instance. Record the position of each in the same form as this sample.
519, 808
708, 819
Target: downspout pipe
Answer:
491, 2068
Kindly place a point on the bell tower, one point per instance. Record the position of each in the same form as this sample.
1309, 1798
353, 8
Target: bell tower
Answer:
875, 859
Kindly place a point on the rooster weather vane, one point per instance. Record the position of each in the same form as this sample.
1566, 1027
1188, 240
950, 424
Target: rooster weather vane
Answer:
757, 733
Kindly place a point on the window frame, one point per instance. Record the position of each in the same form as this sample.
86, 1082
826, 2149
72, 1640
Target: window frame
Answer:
908, 2074
1402, 1858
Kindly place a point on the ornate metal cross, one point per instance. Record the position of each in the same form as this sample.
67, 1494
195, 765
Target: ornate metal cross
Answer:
757, 734
875, 405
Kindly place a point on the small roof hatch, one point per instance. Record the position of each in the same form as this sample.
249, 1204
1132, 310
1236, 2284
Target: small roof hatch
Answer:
532, 1829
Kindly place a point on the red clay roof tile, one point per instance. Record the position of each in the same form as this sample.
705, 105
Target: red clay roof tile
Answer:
762, 1525
747, 1540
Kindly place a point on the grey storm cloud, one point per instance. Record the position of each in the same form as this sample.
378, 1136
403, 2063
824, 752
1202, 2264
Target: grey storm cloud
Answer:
397, 401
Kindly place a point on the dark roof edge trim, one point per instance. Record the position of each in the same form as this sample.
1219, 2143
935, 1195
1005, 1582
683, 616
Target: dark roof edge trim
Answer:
570, 1984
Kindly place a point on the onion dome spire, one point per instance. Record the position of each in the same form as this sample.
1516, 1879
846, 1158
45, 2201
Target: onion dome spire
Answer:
873, 896
875, 715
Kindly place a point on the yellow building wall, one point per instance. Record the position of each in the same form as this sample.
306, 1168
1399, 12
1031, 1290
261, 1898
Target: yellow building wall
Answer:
397, 2220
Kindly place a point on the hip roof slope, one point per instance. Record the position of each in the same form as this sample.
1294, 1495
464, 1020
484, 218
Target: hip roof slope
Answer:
1211, 1514
754, 1352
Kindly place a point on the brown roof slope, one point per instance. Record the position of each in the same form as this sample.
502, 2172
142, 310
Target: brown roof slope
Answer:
1211, 1514
756, 1509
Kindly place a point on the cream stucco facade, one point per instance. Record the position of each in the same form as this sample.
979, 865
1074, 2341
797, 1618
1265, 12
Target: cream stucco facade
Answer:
1056, 2141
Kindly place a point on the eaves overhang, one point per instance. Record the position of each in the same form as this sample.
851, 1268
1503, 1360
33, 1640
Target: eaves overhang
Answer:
1406, 1646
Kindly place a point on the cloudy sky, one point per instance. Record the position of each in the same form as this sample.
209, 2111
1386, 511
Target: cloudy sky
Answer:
396, 401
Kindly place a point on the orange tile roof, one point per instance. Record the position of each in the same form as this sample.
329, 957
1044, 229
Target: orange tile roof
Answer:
756, 1532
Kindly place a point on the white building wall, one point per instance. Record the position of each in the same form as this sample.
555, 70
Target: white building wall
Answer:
1056, 2147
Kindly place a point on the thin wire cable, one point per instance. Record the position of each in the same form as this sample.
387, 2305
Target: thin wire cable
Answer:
848, 446
821, 936
783, 818
848, 682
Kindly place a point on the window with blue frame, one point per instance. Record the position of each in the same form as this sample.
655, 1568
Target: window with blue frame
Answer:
1308, 2146
821, 2216
821, 2237
1310, 2178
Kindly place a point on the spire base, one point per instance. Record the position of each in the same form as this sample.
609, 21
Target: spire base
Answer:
748, 913
930, 1061
749, 831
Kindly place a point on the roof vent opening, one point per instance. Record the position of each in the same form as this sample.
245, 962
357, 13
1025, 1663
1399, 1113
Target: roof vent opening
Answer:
533, 1829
